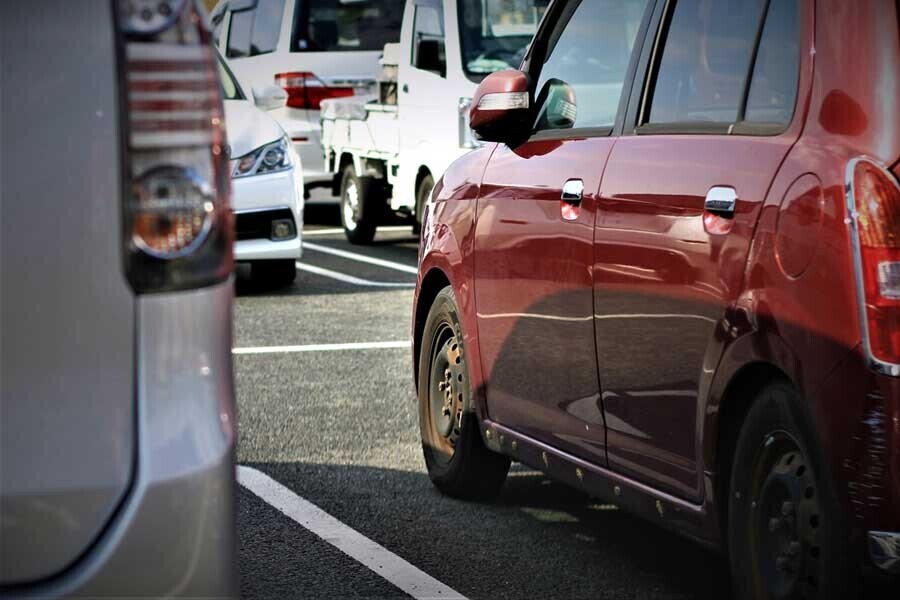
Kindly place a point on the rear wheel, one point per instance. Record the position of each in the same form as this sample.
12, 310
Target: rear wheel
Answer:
786, 535
361, 206
274, 272
457, 460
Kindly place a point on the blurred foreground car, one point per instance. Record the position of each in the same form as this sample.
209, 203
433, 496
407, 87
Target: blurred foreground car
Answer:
117, 427
684, 250
267, 182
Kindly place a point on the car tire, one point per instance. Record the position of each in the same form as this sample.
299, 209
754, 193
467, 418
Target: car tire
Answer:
786, 534
362, 204
458, 462
275, 273
423, 190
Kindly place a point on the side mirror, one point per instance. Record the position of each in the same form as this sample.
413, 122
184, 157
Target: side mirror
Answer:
269, 97
556, 106
430, 56
500, 108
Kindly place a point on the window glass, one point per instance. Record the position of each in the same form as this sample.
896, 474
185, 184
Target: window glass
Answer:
266, 26
342, 25
773, 89
587, 67
239, 34
705, 61
428, 40
494, 34
228, 84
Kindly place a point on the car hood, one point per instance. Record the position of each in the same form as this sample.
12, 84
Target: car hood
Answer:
248, 127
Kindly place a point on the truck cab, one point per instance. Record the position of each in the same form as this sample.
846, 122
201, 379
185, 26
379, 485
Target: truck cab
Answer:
386, 163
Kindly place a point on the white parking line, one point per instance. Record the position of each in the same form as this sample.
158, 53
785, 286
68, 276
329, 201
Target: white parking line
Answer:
350, 278
361, 258
329, 231
379, 559
321, 347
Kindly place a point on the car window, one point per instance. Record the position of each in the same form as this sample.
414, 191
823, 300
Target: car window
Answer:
705, 61
229, 85
773, 89
428, 50
346, 25
255, 31
494, 34
581, 80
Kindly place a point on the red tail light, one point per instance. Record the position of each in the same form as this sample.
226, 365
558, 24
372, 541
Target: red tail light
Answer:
177, 218
874, 203
305, 90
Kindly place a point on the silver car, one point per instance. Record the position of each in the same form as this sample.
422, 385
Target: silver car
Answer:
117, 406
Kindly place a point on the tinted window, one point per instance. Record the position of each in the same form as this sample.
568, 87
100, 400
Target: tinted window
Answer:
705, 61
428, 40
338, 25
255, 31
773, 89
587, 66
494, 34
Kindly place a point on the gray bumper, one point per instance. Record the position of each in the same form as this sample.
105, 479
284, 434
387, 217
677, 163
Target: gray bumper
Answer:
884, 549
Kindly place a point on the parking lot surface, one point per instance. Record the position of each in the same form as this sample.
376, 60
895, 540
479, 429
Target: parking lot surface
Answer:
336, 426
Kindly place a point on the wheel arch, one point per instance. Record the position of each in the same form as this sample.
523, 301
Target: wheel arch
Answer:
432, 283
346, 158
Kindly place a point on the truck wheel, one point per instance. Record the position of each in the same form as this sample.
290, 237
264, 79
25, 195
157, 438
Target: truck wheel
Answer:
786, 536
457, 460
361, 207
274, 272
422, 193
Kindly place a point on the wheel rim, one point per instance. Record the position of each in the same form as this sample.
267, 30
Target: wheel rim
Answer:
785, 519
447, 393
351, 205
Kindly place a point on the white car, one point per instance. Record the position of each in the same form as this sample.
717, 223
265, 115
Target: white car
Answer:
314, 50
266, 182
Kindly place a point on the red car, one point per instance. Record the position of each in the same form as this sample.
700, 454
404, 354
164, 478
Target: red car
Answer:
671, 278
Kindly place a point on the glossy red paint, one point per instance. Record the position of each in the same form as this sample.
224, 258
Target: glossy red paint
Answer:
622, 341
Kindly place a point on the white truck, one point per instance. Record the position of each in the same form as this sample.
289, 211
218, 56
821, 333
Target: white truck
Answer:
385, 153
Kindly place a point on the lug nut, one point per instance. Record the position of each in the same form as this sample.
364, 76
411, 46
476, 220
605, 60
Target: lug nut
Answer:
787, 508
774, 524
794, 549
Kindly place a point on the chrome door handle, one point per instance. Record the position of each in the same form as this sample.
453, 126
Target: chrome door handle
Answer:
721, 200
573, 191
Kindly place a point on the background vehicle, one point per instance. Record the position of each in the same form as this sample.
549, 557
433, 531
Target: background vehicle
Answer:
314, 49
117, 428
267, 182
686, 291
396, 149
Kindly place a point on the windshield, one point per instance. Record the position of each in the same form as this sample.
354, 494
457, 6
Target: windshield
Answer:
231, 90
495, 33
342, 25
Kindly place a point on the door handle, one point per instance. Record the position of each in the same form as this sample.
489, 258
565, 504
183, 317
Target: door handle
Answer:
573, 191
721, 200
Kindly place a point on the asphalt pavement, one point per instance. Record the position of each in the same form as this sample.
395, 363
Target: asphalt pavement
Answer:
336, 426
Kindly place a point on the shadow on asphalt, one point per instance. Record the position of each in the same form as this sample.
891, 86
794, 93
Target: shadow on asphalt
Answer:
538, 539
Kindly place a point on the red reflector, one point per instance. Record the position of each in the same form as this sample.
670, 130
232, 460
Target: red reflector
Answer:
305, 90
876, 203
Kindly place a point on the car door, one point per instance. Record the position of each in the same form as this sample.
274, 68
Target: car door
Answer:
533, 246
678, 205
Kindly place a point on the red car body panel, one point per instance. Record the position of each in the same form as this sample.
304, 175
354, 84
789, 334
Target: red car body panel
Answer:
771, 294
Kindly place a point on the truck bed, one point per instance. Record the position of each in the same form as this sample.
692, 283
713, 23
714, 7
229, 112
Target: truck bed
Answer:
363, 128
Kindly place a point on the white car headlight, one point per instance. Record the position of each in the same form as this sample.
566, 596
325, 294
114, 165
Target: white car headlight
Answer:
270, 158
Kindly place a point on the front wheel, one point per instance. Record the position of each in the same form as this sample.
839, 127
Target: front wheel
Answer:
457, 460
360, 207
786, 536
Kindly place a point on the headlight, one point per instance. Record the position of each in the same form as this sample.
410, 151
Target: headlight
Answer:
270, 158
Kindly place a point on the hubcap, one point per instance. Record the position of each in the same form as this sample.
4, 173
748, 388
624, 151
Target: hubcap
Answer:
447, 390
351, 205
785, 517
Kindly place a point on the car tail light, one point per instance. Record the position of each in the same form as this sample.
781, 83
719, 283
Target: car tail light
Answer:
874, 204
305, 90
178, 223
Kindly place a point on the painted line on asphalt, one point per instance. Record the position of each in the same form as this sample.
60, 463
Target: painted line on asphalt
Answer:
350, 278
322, 347
335, 230
376, 557
388, 264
